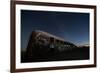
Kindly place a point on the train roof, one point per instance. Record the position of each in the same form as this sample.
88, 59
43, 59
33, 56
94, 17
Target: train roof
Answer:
48, 34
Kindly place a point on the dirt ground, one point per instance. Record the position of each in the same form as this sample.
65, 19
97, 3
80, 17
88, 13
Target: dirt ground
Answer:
75, 54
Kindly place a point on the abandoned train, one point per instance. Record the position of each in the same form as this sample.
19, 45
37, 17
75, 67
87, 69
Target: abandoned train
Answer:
43, 43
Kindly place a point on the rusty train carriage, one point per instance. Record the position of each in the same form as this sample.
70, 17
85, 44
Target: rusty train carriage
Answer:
41, 43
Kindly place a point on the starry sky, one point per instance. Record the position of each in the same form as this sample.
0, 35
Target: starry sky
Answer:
70, 26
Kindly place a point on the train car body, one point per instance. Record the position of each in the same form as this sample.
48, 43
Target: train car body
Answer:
42, 43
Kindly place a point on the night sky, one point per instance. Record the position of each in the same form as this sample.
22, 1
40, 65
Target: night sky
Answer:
73, 27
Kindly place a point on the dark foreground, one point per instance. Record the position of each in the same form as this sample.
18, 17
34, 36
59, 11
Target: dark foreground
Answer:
75, 54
